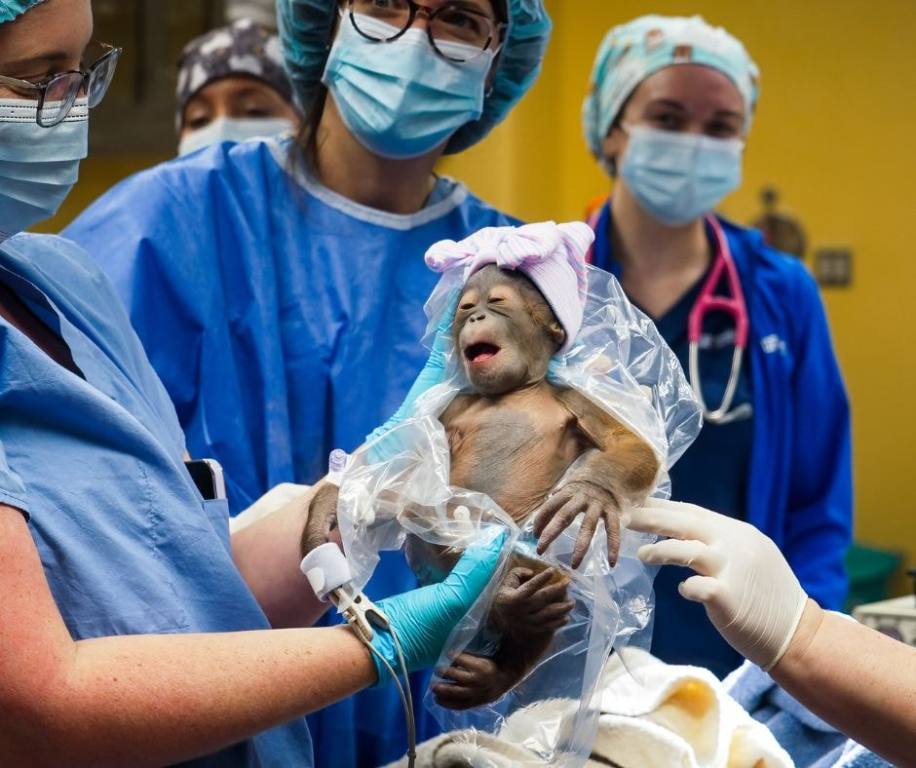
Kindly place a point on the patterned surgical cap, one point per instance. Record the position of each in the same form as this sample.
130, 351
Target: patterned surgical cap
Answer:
632, 52
242, 48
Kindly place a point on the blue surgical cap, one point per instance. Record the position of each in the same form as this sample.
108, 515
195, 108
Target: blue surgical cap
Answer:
11, 9
306, 26
632, 52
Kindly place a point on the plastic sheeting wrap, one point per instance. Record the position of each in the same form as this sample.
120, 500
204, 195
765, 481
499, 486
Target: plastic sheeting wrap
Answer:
396, 492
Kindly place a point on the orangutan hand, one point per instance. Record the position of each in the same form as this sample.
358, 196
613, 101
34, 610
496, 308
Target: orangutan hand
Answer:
579, 497
527, 605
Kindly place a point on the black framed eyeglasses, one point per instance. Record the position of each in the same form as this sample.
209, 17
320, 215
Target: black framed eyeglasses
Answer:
458, 31
57, 93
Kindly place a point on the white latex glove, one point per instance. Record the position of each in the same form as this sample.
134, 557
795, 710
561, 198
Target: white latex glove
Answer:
748, 589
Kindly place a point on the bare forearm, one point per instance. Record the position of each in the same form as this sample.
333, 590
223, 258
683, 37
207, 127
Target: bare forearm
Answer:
267, 555
157, 700
858, 680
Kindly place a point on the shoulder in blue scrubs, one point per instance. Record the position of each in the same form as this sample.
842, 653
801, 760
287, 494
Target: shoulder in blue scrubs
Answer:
91, 450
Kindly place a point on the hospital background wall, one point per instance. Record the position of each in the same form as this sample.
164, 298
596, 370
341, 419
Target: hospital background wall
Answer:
833, 133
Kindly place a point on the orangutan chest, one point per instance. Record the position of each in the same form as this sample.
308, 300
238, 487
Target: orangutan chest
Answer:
514, 455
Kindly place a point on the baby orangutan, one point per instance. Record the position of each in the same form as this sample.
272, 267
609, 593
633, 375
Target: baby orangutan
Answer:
513, 436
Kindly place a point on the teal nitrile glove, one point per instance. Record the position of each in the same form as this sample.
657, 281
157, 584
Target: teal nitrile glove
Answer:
554, 367
425, 617
433, 372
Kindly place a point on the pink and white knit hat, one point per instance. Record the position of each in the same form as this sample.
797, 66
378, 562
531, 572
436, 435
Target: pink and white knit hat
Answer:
551, 255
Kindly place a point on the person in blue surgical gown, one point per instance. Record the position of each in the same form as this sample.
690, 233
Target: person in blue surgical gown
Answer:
134, 630
278, 286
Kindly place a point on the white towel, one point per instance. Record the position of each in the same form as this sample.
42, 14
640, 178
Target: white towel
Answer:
665, 716
653, 715
471, 749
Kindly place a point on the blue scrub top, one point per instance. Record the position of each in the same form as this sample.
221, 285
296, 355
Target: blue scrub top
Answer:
713, 473
284, 321
794, 479
127, 543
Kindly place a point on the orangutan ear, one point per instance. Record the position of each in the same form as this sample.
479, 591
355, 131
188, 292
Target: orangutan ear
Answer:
557, 334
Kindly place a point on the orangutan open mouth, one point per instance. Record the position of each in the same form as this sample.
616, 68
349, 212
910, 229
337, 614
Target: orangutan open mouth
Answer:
481, 352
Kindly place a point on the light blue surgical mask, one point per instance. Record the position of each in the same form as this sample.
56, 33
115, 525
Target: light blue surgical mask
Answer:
678, 177
38, 166
401, 99
235, 129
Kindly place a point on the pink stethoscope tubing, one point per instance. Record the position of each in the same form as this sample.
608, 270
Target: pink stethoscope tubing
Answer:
734, 305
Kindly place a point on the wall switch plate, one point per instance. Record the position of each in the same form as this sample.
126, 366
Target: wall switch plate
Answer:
833, 266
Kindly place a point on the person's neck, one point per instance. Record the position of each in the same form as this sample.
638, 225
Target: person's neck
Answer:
346, 167
659, 264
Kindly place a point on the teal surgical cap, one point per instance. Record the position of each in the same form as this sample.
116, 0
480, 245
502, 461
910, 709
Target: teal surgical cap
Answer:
306, 26
11, 9
632, 52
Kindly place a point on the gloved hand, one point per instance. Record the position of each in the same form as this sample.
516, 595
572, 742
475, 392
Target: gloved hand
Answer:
424, 617
748, 589
433, 372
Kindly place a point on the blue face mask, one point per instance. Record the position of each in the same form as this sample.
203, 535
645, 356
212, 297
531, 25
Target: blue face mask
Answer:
401, 99
235, 129
38, 166
678, 177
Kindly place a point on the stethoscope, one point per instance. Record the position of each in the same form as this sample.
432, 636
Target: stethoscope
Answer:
723, 266
708, 301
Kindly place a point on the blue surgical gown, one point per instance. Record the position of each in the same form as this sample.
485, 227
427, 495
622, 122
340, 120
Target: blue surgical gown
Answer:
127, 543
284, 321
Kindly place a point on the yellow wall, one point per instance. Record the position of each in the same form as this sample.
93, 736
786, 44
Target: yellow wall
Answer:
834, 133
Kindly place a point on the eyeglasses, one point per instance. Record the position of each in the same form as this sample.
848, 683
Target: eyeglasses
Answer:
57, 93
452, 23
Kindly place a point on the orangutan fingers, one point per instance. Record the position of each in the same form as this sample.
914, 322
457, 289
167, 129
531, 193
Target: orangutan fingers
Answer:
552, 593
612, 529
481, 665
516, 577
457, 697
560, 522
549, 509
554, 612
586, 531
458, 675
527, 590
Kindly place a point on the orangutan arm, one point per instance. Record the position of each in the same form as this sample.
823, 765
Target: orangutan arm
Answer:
619, 469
